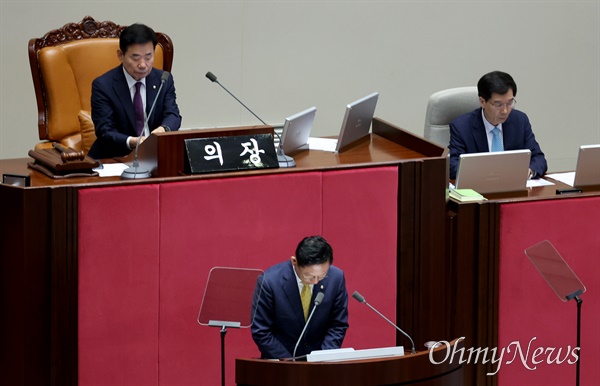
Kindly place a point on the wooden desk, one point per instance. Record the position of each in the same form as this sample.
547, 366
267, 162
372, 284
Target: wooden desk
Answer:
487, 242
410, 369
45, 234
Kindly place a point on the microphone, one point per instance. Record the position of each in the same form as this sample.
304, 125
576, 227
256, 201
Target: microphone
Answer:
318, 300
284, 160
361, 299
135, 171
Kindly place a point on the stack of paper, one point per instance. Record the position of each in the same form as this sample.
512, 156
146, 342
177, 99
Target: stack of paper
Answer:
343, 354
466, 195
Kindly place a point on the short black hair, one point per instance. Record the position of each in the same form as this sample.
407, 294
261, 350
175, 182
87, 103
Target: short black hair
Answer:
314, 250
495, 82
136, 34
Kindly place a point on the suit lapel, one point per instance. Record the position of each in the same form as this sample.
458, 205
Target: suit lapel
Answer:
290, 287
122, 92
507, 134
152, 85
479, 135
320, 287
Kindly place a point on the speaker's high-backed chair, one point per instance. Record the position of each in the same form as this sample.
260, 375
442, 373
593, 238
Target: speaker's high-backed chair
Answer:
64, 62
443, 107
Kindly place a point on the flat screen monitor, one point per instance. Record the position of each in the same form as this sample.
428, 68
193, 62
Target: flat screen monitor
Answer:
494, 172
296, 131
357, 121
587, 172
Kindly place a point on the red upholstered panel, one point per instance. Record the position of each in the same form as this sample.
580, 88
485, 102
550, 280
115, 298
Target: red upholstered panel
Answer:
140, 297
239, 222
360, 220
529, 308
118, 285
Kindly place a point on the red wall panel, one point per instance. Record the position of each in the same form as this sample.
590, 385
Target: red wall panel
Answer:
118, 285
239, 222
529, 310
140, 296
359, 211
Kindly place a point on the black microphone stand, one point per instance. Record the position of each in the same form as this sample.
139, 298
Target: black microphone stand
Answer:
135, 171
361, 299
223, 331
285, 161
579, 301
318, 300
557, 272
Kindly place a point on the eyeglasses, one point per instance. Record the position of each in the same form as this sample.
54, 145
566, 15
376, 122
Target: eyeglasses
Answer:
508, 105
311, 278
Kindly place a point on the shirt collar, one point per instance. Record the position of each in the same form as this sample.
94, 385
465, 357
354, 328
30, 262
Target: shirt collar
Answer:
298, 280
130, 81
488, 126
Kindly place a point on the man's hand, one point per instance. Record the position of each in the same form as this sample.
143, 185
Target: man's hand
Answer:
159, 129
133, 141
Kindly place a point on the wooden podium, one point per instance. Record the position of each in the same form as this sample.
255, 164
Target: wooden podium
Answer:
55, 273
410, 369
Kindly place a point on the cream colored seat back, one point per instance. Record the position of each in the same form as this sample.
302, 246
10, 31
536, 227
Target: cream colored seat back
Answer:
443, 107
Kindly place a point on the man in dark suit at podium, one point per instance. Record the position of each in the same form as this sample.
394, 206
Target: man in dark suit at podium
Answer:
279, 315
122, 97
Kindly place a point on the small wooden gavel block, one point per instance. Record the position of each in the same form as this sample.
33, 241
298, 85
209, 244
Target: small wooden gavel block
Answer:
68, 154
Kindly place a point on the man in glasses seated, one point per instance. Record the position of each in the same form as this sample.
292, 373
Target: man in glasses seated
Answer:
284, 299
496, 126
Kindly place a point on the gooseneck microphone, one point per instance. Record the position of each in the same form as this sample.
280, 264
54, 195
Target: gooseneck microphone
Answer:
135, 171
361, 299
318, 300
213, 78
284, 160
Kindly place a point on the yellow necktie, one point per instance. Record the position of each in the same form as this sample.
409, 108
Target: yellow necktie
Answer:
305, 296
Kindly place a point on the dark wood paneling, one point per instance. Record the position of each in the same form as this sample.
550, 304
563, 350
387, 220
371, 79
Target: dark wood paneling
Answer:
38, 297
474, 280
64, 286
422, 247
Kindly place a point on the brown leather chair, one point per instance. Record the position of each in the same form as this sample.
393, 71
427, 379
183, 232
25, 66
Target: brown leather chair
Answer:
64, 62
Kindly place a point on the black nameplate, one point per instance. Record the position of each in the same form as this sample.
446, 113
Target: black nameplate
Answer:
219, 154
16, 180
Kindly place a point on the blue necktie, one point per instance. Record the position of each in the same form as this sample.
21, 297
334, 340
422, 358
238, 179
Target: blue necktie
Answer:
496, 140
138, 107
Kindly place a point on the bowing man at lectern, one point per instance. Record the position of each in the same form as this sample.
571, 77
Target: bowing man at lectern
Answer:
123, 97
279, 316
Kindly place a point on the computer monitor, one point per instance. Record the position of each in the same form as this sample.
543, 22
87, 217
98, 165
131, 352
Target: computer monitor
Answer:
296, 131
357, 121
494, 172
587, 172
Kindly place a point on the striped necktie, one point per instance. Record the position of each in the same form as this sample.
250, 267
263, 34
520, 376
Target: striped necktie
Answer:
496, 140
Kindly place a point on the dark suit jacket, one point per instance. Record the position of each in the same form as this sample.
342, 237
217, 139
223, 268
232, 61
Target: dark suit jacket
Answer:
467, 135
278, 319
114, 116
